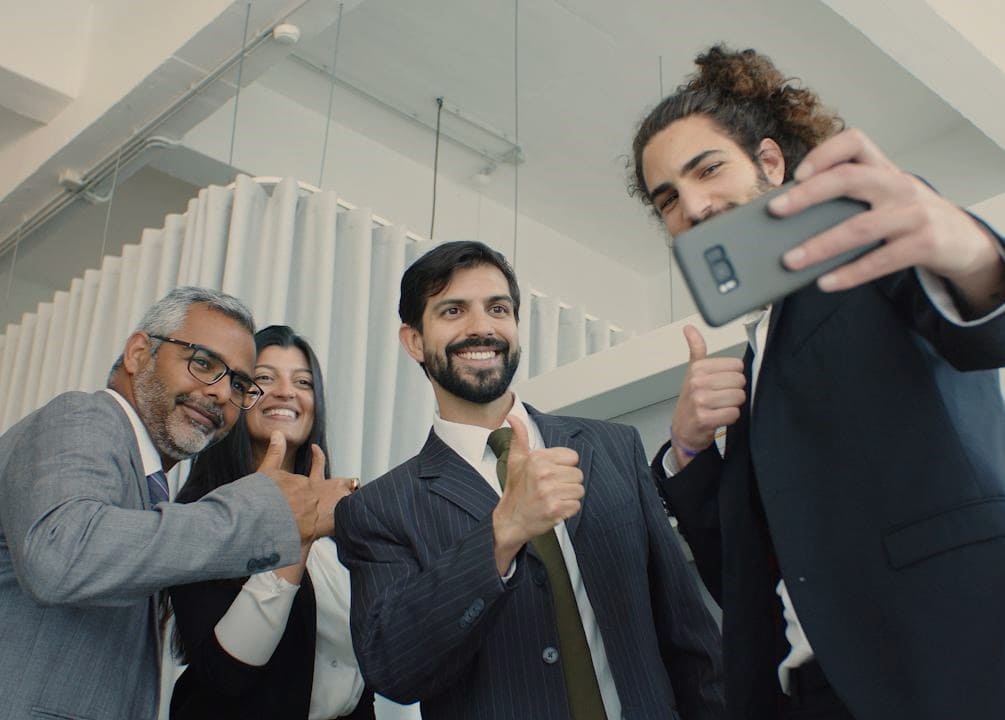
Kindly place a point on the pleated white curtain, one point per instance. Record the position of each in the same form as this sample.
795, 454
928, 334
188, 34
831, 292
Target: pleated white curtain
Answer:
302, 258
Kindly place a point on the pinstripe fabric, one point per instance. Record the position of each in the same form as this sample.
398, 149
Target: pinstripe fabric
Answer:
432, 621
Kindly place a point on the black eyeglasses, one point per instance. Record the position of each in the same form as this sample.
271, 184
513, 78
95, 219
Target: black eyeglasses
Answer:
206, 367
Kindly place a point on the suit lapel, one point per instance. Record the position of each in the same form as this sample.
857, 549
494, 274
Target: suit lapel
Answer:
556, 432
451, 477
135, 459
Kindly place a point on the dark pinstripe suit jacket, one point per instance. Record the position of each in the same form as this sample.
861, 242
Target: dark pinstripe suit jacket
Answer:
432, 621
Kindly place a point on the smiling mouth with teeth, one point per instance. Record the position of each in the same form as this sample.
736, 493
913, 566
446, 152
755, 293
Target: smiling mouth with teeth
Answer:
280, 412
480, 355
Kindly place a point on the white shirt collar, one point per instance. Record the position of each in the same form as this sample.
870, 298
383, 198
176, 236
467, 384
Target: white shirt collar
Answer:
470, 441
148, 452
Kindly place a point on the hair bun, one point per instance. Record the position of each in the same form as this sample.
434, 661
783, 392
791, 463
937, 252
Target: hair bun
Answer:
743, 73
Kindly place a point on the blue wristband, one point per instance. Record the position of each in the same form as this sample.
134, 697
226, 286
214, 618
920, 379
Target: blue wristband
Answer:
688, 452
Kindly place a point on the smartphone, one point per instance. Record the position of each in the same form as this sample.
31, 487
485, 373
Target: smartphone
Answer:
733, 262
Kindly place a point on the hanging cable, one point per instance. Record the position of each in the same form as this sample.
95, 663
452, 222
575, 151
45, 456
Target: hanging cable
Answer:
436, 165
516, 124
13, 261
240, 71
108, 210
331, 97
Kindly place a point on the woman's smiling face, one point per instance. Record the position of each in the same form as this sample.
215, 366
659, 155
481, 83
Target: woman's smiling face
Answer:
287, 404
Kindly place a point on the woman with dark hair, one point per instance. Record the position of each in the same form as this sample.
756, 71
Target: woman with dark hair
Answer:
275, 644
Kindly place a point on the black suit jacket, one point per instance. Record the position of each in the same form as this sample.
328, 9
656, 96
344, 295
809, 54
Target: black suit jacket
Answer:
433, 622
871, 475
216, 686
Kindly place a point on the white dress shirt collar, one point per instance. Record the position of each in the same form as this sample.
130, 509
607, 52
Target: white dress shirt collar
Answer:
471, 441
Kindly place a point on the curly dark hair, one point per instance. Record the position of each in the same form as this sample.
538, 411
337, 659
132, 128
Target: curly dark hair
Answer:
745, 95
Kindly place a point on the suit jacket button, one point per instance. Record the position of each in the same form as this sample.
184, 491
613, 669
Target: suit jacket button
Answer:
550, 655
539, 576
253, 565
476, 608
273, 558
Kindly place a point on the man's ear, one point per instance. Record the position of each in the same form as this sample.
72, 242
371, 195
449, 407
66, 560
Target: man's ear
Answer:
137, 352
772, 161
411, 340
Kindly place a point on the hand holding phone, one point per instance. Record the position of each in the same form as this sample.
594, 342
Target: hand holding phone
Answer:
733, 262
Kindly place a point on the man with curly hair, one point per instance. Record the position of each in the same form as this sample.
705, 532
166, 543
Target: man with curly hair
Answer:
853, 529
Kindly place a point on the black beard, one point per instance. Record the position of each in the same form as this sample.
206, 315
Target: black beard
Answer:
488, 384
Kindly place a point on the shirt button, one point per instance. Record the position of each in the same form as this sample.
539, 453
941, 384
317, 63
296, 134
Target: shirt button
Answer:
550, 655
334, 663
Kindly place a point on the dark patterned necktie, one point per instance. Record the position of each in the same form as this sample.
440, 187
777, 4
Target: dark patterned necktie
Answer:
157, 484
582, 689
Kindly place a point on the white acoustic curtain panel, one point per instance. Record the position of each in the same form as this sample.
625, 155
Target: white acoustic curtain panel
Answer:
295, 257
305, 259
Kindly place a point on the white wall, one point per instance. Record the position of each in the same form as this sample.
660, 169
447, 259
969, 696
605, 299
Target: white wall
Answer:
72, 243
276, 136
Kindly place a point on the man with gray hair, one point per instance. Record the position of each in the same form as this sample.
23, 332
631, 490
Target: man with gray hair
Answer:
87, 537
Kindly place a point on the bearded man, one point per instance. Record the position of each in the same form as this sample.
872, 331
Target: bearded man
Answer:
521, 565
853, 528
88, 537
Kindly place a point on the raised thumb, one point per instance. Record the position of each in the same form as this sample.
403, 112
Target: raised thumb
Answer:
697, 349
520, 443
273, 459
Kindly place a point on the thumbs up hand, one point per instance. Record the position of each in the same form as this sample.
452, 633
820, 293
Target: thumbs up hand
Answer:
329, 491
297, 489
711, 396
543, 488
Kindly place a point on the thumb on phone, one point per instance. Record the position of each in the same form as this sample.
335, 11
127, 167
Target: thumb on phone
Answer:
697, 350
273, 459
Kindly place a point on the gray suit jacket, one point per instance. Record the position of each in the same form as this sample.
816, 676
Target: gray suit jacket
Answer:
82, 555
432, 621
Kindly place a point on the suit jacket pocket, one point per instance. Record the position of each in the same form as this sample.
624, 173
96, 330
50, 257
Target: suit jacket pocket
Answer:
956, 527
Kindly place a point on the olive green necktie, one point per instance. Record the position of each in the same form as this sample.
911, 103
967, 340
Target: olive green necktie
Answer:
585, 702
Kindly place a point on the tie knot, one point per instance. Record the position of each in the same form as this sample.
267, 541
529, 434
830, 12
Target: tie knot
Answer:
499, 441
158, 486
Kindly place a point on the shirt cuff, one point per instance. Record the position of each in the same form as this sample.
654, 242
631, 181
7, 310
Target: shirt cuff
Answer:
670, 467
938, 293
509, 572
254, 623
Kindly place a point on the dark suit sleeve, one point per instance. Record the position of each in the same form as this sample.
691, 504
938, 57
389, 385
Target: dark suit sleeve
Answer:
692, 496
690, 643
416, 624
198, 607
978, 346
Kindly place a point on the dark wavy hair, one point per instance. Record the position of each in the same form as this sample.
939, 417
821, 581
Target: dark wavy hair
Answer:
428, 275
749, 99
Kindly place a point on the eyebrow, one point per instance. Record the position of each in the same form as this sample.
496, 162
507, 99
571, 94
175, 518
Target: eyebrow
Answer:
684, 170
274, 369
458, 301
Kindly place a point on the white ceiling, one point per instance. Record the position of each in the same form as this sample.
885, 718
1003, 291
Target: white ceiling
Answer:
589, 69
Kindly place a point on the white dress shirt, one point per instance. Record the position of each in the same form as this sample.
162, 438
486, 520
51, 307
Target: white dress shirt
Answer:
254, 623
756, 324
471, 443
148, 453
